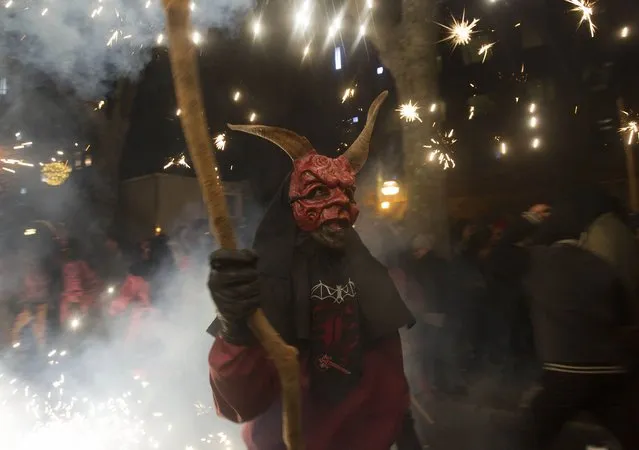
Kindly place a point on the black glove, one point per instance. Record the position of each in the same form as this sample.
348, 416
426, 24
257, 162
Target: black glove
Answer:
234, 286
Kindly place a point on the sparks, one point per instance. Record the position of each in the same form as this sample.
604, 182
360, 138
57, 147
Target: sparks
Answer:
586, 9
442, 149
483, 51
179, 160
349, 93
460, 32
630, 126
408, 112
220, 141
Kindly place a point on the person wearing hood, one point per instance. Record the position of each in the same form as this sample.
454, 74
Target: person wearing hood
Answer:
80, 283
579, 308
134, 296
325, 294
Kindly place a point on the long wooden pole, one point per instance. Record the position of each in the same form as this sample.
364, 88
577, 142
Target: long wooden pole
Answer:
182, 53
633, 199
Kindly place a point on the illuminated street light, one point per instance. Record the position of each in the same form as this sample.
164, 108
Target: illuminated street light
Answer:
390, 188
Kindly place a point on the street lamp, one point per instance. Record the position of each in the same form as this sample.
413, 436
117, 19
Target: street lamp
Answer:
390, 188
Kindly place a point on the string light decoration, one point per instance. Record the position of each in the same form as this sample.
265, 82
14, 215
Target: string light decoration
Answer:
55, 173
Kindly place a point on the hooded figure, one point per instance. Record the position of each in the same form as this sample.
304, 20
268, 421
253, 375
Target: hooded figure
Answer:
579, 309
325, 294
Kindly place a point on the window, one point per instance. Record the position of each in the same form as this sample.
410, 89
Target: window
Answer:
4, 87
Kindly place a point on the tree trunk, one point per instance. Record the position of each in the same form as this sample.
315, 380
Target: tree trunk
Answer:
112, 127
408, 48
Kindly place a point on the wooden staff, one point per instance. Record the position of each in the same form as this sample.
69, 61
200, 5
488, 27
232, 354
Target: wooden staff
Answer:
182, 53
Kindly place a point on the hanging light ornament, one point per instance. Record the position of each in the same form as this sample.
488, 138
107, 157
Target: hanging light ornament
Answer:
55, 173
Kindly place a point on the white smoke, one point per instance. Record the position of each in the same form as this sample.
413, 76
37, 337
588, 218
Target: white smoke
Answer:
150, 393
87, 43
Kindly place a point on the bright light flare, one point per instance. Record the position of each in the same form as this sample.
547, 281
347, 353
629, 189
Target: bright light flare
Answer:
625, 32
533, 122
237, 96
630, 126
336, 25
390, 188
197, 38
253, 117
257, 27
385, 205
220, 141
586, 9
409, 112
460, 32
75, 323
535, 143
348, 93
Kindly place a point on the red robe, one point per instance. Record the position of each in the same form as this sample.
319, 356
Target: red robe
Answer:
135, 292
80, 284
246, 389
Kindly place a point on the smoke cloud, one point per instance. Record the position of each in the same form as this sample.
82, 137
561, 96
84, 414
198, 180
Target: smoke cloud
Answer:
85, 44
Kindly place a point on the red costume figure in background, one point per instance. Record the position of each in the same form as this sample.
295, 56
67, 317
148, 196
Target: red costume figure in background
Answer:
135, 293
80, 284
325, 294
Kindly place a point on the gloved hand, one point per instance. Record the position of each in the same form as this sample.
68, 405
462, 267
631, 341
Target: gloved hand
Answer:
234, 286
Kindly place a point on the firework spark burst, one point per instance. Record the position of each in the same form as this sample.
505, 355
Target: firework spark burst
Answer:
586, 8
409, 112
179, 160
442, 149
57, 411
460, 32
630, 126
220, 141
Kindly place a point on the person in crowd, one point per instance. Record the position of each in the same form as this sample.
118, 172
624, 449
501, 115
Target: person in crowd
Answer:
325, 294
33, 302
579, 308
80, 283
426, 296
134, 296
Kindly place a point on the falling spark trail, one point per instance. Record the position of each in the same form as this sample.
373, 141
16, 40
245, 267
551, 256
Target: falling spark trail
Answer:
484, 49
630, 126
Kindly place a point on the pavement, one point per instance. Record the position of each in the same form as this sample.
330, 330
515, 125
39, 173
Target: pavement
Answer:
489, 417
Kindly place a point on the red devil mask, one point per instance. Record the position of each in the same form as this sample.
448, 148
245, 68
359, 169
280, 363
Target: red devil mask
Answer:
322, 189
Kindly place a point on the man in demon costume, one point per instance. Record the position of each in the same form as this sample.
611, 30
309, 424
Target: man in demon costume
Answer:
324, 293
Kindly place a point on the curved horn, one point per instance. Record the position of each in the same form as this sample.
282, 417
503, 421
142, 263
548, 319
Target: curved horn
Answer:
357, 153
293, 144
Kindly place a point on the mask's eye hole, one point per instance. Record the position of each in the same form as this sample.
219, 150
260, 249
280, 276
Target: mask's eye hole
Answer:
350, 193
319, 192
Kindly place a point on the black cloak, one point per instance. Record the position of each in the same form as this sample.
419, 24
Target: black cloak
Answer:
286, 288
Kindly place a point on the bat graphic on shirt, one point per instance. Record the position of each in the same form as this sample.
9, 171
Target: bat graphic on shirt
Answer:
338, 293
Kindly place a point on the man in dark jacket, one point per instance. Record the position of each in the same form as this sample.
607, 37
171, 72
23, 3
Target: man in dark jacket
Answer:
325, 294
578, 311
